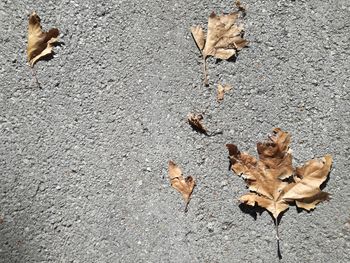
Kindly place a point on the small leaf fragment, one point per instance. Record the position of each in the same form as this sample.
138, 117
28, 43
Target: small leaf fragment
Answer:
195, 120
221, 91
183, 185
40, 43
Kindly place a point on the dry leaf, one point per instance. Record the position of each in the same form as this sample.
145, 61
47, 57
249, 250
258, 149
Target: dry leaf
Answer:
40, 43
221, 91
272, 181
195, 120
223, 40
183, 185
240, 7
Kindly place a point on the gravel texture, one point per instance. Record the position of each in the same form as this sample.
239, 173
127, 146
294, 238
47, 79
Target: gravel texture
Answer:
83, 160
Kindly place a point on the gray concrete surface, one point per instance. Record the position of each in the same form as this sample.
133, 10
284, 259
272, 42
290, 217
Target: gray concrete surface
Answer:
84, 159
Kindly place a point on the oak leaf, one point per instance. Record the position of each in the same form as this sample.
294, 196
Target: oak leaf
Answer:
273, 182
183, 185
223, 39
195, 120
40, 43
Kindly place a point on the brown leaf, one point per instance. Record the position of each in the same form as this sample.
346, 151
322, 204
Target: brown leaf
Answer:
266, 177
199, 36
221, 91
195, 120
223, 40
240, 7
183, 185
306, 190
40, 43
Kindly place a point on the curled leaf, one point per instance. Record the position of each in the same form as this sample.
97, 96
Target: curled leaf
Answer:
240, 7
195, 120
183, 185
305, 191
40, 43
223, 40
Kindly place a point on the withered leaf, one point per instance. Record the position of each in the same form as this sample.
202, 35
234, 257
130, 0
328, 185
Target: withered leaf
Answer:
271, 179
240, 7
223, 40
40, 43
305, 190
195, 120
221, 91
183, 185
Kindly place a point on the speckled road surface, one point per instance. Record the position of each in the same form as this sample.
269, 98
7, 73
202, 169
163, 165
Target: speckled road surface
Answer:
83, 164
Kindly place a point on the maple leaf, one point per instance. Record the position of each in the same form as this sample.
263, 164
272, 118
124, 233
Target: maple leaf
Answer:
221, 91
195, 120
183, 185
40, 43
272, 180
223, 40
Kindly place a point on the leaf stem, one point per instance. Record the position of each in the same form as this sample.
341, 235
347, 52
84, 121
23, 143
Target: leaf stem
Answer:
277, 239
276, 226
34, 76
205, 71
186, 206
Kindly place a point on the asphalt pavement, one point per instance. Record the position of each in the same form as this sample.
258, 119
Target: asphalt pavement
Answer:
83, 159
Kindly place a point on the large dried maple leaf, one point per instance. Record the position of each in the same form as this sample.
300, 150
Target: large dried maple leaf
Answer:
223, 40
183, 185
272, 181
40, 43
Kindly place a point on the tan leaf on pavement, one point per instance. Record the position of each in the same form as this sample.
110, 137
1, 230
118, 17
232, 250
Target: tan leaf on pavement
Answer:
181, 184
221, 91
40, 43
223, 40
195, 120
273, 182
